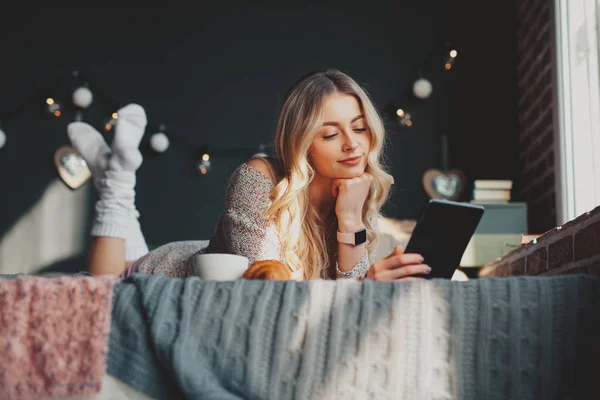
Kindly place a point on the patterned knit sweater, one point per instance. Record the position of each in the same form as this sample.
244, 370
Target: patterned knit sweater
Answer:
242, 229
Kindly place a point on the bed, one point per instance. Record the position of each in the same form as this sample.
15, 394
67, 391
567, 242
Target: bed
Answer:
150, 336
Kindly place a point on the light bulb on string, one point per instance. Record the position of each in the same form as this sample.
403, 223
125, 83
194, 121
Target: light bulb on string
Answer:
82, 97
261, 151
422, 88
403, 118
111, 121
2, 138
450, 59
203, 165
53, 107
159, 141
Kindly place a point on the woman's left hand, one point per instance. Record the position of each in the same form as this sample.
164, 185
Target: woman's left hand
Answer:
398, 266
351, 195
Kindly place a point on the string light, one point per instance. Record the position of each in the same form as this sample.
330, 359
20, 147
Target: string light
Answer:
203, 165
422, 88
404, 118
53, 107
159, 141
450, 59
2, 138
261, 151
112, 121
82, 97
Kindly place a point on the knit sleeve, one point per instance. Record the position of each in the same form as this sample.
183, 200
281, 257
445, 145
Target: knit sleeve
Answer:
243, 226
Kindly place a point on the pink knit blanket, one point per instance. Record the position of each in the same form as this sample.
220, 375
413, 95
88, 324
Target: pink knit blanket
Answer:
54, 335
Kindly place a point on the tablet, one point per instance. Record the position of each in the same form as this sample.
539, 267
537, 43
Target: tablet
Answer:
442, 234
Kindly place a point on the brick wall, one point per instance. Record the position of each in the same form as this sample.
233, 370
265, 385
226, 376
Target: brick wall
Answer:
536, 112
569, 249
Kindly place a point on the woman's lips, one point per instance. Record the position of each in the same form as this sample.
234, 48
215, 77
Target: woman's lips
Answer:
351, 161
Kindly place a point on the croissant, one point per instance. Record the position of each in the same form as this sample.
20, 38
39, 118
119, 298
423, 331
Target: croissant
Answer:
268, 270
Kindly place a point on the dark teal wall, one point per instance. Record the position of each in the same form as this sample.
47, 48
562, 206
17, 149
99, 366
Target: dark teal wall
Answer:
215, 74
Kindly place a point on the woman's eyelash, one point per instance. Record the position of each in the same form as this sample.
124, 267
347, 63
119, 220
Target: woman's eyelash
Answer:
335, 134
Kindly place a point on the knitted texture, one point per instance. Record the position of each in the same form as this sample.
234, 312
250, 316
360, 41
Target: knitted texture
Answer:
113, 171
490, 338
116, 214
53, 336
243, 225
174, 260
242, 229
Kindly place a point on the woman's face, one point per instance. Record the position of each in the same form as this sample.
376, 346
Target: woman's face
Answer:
342, 145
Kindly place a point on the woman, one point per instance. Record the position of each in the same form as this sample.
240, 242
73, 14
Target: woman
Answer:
313, 207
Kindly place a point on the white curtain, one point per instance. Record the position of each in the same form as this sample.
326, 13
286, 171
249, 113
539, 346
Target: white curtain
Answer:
578, 111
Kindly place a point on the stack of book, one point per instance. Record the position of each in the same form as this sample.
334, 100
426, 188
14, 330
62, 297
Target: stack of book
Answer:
491, 191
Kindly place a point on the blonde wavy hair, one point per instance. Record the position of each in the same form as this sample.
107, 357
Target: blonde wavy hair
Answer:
300, 228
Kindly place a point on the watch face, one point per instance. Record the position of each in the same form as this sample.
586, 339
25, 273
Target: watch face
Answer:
360, 236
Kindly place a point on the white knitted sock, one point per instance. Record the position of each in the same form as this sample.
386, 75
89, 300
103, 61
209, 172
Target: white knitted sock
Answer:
131, 123
116, 214
92, 147
114, 177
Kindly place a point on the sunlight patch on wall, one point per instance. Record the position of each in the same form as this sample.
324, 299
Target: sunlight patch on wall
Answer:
52, 230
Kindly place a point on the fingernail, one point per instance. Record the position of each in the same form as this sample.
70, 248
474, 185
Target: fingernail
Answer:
427, 270
422, 260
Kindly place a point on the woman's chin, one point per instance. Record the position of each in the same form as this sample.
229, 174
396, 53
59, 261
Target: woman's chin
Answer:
354, 173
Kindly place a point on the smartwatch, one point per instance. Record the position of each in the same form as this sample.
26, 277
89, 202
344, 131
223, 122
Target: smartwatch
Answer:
353, 238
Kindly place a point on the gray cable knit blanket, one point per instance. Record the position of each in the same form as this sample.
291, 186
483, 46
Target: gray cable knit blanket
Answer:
494, 338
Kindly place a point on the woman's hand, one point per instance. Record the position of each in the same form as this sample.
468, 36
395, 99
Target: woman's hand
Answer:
351, 195
398, 266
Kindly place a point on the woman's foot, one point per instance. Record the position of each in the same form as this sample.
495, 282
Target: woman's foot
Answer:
113, 170
123, 155
92, 147
131, 124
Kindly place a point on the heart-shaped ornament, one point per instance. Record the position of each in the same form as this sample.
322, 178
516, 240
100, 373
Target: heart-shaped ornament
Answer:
448, 185
72, 168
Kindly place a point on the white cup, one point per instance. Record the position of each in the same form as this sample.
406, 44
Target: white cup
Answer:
219, 266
